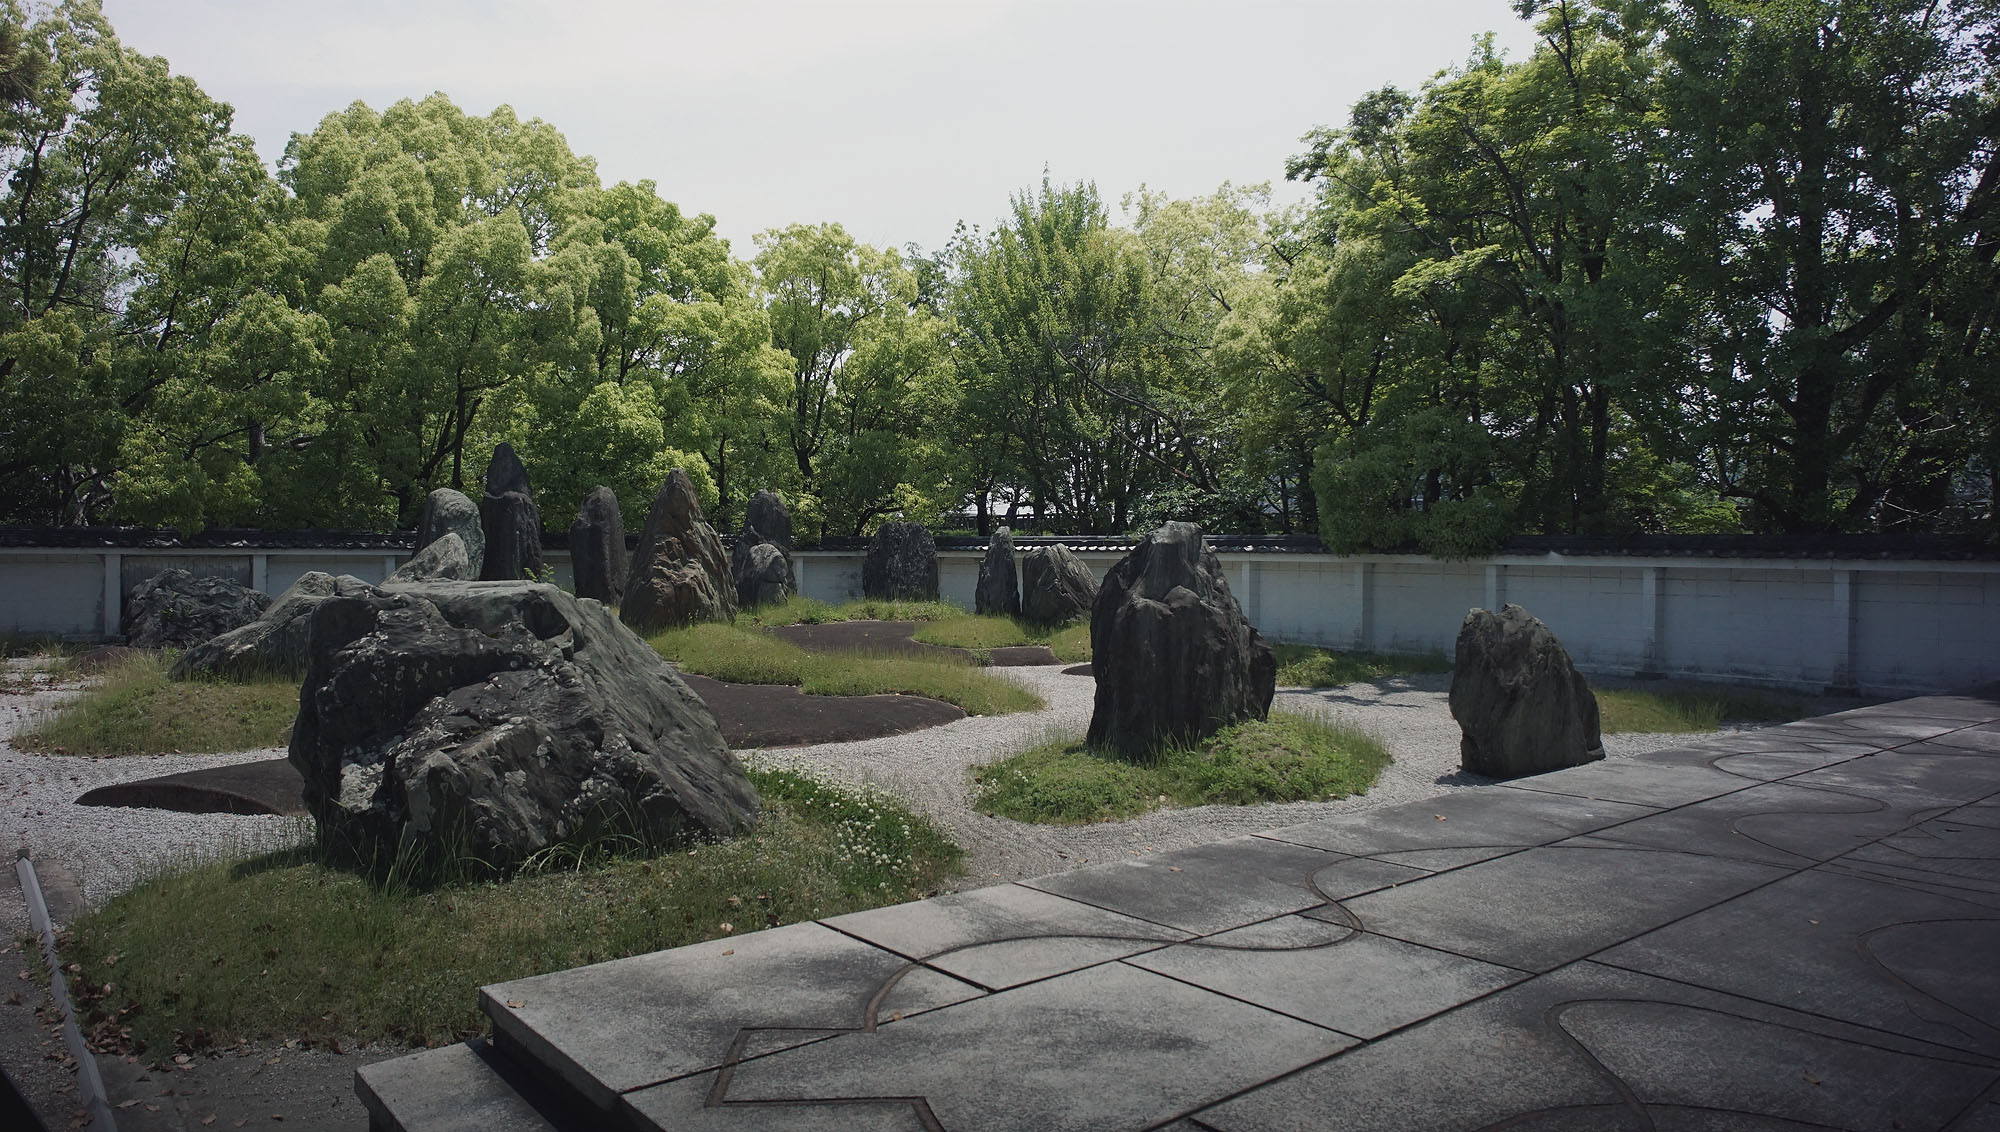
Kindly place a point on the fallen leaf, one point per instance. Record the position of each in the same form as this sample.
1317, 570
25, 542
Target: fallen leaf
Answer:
1439, 817
209, 1119
1810, 1079
731, 951
736, 902
1173, 868
128, 1104
728, 927
152, 1108
515, 1004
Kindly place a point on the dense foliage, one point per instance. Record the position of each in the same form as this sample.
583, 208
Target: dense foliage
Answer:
1699, 265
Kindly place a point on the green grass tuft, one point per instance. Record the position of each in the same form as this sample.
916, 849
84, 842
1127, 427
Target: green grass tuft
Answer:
1287, 758
983, 633
747, 656
283, 946
1686, 710
1304, 666
812, 611
135, 710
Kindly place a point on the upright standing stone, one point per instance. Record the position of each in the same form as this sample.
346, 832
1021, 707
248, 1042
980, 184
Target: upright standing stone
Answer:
999, 590
763, 577
450, 511
901, 564
679, 573
1056, 586
1173, 654
512, 523
1522, 707
597, 547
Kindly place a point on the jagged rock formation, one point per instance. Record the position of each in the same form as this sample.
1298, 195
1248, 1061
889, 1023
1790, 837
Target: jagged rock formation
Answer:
999, 589
511, 521
442, 722
442, 561
679, 573
1056, 586
1521, 705
597, 548
763, 577
901, 564
449, 511
1173, 654
274, 643
176, 609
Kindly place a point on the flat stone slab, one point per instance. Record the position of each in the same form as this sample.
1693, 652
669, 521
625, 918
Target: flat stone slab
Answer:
266, 786
1769, 932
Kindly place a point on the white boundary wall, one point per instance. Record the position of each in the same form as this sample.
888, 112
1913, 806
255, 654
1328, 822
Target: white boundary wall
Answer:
1880, 626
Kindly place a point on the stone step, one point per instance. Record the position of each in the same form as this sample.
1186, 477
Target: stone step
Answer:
469, 1087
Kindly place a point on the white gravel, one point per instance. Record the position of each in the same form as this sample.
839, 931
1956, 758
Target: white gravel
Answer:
109, 849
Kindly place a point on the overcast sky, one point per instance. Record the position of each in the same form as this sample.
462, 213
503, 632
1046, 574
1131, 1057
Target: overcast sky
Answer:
896, 118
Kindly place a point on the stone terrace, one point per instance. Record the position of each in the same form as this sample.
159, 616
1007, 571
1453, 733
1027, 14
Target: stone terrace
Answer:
1796, 928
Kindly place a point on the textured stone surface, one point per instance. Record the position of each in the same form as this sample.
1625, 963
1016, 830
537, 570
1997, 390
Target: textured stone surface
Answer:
679, 573
275, 642
493, 720
1174, 656
448, 510
901, 564
766, 522
597, 548
1057, 587
999, 588
1523, 707
511, 521
176, 609
442, 561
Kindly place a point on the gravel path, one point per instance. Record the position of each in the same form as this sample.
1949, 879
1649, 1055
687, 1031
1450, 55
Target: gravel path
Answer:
931, 770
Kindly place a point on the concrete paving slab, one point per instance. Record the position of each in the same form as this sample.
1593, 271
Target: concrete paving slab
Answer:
1943, 778
1360, 984
1588, 1047
453, 1087
1776, 823
1660, 780
1006, 934
1111, 1047
613, 1027
1480, 824
1541, 908
1352, 876
1867, 952
688, 1105
1203, 889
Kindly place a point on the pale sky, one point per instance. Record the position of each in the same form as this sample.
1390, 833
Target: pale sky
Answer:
896, 118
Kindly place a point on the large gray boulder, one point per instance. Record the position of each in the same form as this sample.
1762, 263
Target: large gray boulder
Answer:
276, 643
1174, 657
448, 511
1522, 707
999, 589
901, 564
511, 522
766, 522
1056, 586
176, 609
679, 573
446, 722
597, 548
442, 561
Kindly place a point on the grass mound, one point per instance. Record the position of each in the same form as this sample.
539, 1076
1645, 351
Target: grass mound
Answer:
812, 611
1304, 666
136, 710
1687, 710
748, 656
283, 946
983, 633
1286, 758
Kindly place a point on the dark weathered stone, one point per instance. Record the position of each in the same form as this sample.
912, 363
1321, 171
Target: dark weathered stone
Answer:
766, 522
277, 642
597, 548
1056, 586
1522, 707
176, 609
999, 590
448, 510
766, 579
1174, 656
511, 521
444, 560
901, 564
490, 721
679, 573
